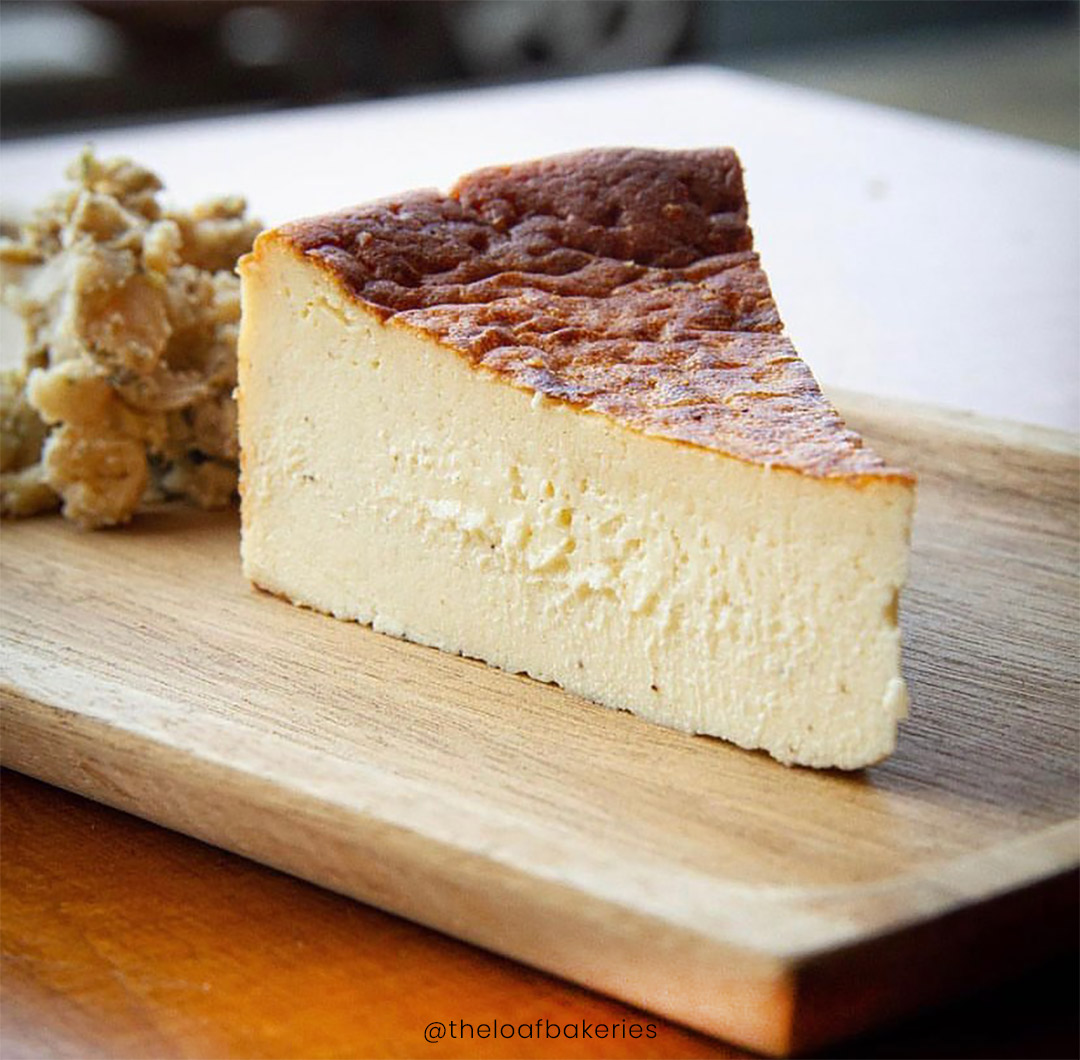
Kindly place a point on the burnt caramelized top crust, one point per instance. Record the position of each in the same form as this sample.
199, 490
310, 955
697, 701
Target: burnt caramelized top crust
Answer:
620, 281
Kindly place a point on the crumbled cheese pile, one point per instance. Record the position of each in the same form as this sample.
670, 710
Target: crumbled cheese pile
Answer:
131, 314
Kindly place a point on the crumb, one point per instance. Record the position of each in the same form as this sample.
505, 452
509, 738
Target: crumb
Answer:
131, 314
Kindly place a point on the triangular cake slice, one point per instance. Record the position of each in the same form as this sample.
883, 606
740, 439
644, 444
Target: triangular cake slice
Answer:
550, 420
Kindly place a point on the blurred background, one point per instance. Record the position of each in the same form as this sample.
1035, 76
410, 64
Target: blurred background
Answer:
1010, 65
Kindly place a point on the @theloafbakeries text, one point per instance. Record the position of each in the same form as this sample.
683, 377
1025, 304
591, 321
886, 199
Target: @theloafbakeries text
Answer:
541, 1028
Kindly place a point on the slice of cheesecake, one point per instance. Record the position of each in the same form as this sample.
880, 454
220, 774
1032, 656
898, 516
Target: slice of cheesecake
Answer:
550, 420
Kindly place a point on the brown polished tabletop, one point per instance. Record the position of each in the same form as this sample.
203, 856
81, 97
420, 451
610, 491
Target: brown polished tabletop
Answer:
123, 939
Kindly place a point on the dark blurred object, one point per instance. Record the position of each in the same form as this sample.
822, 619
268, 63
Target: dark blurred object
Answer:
104, 62
516, 38
177, 56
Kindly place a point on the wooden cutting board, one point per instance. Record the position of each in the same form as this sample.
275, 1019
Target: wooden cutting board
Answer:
777, 907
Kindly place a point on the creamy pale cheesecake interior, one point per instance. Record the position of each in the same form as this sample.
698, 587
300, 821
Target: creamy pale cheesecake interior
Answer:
550, 421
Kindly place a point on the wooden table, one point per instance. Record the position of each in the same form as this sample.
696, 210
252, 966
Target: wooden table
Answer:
122, 939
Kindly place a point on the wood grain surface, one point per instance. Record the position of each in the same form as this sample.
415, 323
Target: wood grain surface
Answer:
775, 907
223, 957
166, 947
